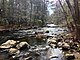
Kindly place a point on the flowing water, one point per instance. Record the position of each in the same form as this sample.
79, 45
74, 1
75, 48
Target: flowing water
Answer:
41, 47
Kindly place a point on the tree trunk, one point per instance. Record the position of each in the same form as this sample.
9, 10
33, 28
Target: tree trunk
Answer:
65, 14
75, 15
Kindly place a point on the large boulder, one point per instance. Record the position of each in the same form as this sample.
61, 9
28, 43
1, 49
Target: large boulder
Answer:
23, 45
8, 44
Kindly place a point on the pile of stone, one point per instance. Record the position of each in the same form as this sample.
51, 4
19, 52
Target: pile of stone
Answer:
22, 50
66, 44
13, 48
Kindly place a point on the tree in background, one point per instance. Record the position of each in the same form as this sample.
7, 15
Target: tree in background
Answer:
23, 12
58, 16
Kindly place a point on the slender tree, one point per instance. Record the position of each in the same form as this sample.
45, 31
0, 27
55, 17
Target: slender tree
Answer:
75, 14
65, 14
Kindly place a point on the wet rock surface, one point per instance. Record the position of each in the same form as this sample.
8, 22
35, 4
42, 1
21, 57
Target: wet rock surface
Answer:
58, 47
8, 44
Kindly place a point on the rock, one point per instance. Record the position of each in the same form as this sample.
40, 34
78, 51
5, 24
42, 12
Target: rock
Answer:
28, 58
65, 47
60, 44
23, 45
47, 47
78, 50
37, 54
14, 51
8, 44
13, 58
70, 56
51, 40
52, 45
40, 36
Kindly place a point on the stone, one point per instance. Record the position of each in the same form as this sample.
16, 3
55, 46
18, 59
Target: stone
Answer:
70, 56
60, 44
23, 45
66, 45
37, 54
8, 44
28, 58
51, 40
14, 51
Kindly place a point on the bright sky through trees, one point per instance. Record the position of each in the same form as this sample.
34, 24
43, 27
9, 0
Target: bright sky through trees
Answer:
53, 5
49, 7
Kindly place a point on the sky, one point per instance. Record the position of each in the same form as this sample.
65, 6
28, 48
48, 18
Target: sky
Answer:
49, 8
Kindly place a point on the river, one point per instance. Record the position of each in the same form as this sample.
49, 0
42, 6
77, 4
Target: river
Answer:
39, 46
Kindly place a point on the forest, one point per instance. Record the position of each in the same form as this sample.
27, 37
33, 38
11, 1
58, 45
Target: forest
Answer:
39, 29
17, 14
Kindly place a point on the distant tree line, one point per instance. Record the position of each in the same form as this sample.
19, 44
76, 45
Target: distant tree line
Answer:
23, 12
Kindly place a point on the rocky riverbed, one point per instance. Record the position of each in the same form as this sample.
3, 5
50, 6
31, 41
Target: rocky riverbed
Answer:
28, 45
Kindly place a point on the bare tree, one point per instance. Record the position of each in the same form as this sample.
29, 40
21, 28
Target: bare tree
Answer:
75, 14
